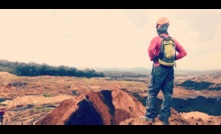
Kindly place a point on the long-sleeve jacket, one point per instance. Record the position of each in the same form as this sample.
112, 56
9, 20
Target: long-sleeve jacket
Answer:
154, 48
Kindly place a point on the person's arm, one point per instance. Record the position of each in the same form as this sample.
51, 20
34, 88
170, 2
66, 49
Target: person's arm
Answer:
181, 51
152, 48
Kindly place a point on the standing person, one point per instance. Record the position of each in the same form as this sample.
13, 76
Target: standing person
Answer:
162, 76
2, 112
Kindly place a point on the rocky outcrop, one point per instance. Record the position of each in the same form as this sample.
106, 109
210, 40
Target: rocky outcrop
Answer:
199, 118
201, 85
95, 108
209, 106
175, 119
107, 107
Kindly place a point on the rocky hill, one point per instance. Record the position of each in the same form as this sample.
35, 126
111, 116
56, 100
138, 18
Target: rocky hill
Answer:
203, 82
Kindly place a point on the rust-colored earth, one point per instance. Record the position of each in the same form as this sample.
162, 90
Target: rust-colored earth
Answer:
45, 100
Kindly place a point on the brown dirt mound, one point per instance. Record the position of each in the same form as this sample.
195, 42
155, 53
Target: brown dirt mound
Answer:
107, 107
199, 118
96, 108
175, 119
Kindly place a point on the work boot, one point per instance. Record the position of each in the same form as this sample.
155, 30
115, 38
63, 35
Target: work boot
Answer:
151, 120
165, 122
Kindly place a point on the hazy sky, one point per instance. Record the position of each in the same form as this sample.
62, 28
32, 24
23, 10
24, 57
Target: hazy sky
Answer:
107, 37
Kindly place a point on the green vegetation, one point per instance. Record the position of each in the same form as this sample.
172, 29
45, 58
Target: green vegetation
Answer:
47, 95
34, 69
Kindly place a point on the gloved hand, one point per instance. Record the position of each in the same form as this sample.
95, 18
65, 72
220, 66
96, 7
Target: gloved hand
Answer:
155, 58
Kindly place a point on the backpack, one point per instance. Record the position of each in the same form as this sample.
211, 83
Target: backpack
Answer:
167, 53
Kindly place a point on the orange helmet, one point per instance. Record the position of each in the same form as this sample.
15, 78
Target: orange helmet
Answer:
163, 20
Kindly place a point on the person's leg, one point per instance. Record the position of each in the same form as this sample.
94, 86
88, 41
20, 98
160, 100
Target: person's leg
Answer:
167, 90
154, 87
1, 119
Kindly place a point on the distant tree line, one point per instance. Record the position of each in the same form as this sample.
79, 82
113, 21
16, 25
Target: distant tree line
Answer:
35, 69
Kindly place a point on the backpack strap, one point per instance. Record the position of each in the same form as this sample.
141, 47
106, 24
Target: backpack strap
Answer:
169, 37
161, 36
